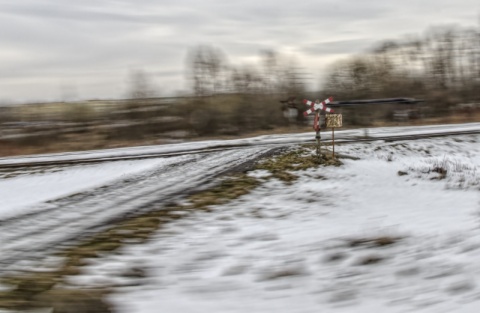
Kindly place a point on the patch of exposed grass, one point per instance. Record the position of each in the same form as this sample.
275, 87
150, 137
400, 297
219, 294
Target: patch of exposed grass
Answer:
373, 242
442, 173
226, 191
26, 288
75, 301
300, 159
281, 273
335, 257
369, 260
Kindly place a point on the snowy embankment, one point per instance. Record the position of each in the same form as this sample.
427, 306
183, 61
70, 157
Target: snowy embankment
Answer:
389, 232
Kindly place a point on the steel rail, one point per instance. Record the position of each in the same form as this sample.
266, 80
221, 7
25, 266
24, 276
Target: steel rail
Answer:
141, 156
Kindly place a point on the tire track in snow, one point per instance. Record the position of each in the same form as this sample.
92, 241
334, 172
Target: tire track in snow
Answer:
66, 219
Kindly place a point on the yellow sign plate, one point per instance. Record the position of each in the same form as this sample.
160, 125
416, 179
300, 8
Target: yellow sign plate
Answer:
333, 120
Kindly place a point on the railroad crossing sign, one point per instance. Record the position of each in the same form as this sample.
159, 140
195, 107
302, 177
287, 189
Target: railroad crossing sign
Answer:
335, 120
317, 107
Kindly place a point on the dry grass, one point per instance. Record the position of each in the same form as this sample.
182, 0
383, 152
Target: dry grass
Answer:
300, 159
373, 242
369, 260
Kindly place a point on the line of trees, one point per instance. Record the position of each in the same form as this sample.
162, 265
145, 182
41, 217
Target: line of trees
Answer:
233, 99
211, 74
442, 66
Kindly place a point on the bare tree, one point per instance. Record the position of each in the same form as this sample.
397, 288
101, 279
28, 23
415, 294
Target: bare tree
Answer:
271, 65
246, 80
206, 69
140, 85
140, 89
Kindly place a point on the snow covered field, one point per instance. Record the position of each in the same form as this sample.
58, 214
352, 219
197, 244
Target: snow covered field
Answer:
397, 230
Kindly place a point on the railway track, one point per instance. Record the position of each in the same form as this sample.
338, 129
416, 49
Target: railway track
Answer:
139, 156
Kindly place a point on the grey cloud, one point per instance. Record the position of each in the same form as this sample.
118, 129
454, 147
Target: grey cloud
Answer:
339, 46
97, 15
93, 42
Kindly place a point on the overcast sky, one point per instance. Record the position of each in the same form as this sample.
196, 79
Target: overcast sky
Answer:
85, 49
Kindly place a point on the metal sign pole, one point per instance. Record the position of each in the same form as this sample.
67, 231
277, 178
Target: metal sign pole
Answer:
333, 121
333, 142
317, 135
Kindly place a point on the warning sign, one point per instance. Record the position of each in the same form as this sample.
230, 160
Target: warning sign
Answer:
333, 120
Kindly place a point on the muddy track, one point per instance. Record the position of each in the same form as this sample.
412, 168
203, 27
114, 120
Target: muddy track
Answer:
31, 236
